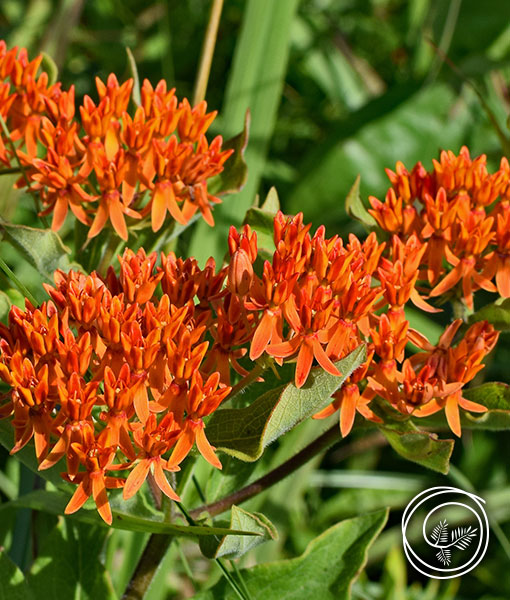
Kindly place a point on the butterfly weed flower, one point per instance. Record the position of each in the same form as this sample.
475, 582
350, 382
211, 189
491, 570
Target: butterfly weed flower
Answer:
106, 165
109, 376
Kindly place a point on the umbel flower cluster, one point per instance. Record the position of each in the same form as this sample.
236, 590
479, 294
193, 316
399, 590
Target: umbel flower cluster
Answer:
110, 164
117, 375
114, 377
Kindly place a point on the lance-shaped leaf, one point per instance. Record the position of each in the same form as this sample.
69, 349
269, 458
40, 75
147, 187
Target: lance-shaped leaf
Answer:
235, 171
326, 570
245, 432
418, 446
42, 248
356, 209
131, 515
234, 546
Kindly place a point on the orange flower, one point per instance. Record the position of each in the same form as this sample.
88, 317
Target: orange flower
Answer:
94, 482
457, 366
154, 440
348, 401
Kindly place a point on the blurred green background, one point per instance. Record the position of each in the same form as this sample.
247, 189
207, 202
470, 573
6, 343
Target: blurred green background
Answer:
335, 88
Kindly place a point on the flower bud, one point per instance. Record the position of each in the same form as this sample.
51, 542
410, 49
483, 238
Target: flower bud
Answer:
240, 273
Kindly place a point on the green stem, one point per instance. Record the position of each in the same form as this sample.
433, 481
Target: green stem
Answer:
10, 171
158, 544
147, 567
275, 476
108, 254
218, 561
207, 52
259, 368
5, 268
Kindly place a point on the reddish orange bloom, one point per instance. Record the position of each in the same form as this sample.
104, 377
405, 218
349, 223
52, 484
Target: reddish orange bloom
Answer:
348, 401
108, 155
94, 482
202, 399
154, 440
456, 366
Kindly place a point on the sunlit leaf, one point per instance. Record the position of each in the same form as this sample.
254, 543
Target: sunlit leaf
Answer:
245, 432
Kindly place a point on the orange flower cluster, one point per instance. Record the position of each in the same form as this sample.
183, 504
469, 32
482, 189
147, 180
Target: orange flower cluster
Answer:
461, 215
320, 298
116, 375
112, 378
110, 164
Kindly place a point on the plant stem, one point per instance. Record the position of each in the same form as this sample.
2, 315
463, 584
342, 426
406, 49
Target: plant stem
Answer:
147, 567
207, 52
233, 583
158, 544
108, 253
323, 442
247, 380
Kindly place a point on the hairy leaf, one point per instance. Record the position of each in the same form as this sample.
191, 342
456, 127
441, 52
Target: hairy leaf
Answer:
245, 432
235, 172
497, 313
42, 248
68, 563
356, 209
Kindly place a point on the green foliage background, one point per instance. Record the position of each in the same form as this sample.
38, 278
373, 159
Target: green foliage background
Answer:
336, 88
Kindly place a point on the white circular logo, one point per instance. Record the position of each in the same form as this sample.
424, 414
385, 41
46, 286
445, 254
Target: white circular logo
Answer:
454, 529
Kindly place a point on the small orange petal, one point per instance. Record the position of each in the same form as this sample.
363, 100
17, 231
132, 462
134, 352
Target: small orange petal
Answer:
162, 481
136, 478
452, 414
79, 498
206, 450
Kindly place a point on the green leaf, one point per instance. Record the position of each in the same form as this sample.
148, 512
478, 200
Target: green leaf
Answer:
129, 515
272, 202
356, 209
495, 396
68, 564
418, 446
261, 221
497, 313
326, 570
137, 98
49, 66
235, 173
5, 306
256, 81
42, 248
13, 585
234, 546
245, 432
